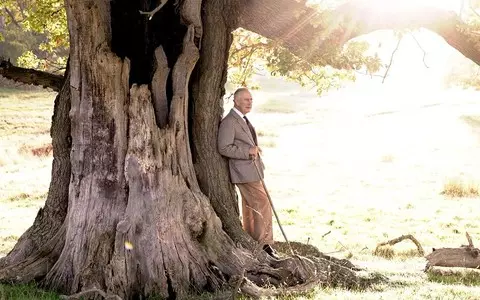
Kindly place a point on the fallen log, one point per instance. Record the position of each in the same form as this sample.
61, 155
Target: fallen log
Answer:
466, 256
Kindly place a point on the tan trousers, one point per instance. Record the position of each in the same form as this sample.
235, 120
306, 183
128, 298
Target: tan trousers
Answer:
256, 211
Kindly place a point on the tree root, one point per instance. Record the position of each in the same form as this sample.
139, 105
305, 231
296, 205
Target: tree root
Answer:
327, 274
37, 265
91, 294
299, 274
263, 276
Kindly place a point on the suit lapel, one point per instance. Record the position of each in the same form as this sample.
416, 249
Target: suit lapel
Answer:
243, 125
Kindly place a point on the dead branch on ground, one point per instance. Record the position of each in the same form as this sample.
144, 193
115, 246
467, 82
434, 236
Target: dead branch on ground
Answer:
402, 238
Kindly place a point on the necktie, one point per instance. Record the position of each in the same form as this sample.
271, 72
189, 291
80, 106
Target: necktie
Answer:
252, 130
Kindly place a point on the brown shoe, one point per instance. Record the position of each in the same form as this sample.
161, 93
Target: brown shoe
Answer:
270, 251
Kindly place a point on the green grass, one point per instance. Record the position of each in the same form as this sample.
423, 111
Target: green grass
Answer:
25, 113
25, 160
25, 292
464, 277
29, 197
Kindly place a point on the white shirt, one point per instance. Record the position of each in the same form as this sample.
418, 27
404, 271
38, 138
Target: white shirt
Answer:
239, 113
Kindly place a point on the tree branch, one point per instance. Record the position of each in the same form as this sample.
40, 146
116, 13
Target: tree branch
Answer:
12, 17
150, 14
474, 11
311, 34
391, 59
421, 48
255, 46
30, 76
402, 238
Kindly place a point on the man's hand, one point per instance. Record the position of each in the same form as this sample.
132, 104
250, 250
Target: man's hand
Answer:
254, 151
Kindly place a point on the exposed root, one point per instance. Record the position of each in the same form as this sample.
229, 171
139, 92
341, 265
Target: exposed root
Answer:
307, 250
237, 281
251, 289
299, 274
91, 294
37, 265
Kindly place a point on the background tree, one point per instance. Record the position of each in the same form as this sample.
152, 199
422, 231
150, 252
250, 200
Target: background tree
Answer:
35, 34
467, 74
140, 203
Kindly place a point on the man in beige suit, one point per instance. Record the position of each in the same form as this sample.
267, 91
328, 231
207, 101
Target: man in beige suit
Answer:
237, 140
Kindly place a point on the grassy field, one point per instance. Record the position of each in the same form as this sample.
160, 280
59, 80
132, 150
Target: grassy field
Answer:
346, 171
25, 160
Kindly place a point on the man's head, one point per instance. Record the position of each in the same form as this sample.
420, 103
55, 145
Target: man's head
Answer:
242, 100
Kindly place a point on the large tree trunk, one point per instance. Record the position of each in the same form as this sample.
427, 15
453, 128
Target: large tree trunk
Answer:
137, 222
207, 88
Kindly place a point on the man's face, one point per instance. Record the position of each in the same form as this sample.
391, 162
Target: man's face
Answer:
244, 102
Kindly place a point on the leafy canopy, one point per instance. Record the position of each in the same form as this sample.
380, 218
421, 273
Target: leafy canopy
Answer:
251, 53
40, 26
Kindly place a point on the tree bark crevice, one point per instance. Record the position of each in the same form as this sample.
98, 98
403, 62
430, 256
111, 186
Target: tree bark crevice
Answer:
159, 87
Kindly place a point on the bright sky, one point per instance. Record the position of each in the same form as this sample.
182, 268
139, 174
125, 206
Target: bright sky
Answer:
411, 66
446, 4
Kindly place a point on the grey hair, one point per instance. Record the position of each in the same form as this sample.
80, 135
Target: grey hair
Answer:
239, 91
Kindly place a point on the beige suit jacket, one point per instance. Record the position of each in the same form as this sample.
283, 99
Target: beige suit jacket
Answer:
234, 142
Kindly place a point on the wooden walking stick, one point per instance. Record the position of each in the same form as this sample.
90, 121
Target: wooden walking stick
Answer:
273, 208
